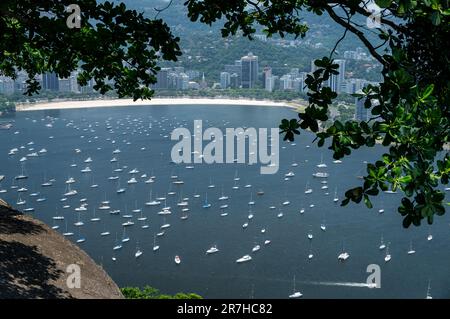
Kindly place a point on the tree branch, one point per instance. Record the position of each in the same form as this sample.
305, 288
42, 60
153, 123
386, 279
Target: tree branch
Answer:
358, 33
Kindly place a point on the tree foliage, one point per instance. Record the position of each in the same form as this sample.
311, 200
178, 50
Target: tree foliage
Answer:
410, 107
152, 293
117, 47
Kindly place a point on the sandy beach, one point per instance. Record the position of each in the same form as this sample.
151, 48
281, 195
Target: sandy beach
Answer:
154, 102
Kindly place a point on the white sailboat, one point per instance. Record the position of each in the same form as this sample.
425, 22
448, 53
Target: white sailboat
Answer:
138, 252
206, 204
343, 256
336, 198
428, 296
411, 250
388, 257
321, 164
155, 247
308, 190
152, 202
382, 244
295, 294
119, 190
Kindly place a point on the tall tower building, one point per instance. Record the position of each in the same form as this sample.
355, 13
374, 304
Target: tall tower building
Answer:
50, 81
249, 65
224, 80
267, 73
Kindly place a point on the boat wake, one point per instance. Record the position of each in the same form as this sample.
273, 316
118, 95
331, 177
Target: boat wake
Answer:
343, 284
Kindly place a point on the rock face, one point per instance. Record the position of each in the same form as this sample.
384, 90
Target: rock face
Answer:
37, 262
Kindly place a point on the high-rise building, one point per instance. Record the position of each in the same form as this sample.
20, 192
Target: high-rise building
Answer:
50, 81
249, 71
361, 113
65, 85
182, 81
235, 81
267, 73
286, 82
270, 83
335, 82
162, 79
224, 80
340, 78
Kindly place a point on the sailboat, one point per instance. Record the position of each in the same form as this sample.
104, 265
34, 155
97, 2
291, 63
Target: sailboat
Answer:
70, 191
138, 252
382, 244
223, 197
95, 218
119, 190
429, 291
118, 245
211, 185
310, 234
321, 164
125, 238
236, 177
155, 247
67, 233
295, 294
23, 174
387, 258
80, 239
411, 251
251, 202
336, 198
79, 222
310, 255
343, 256
94, 185
280, 214
308, 190
250, 214
152, 202
235, 186
206, 204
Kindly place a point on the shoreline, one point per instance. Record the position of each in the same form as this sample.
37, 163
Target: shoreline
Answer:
72, 104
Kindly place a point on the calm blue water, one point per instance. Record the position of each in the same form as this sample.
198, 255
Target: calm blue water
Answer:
143, 136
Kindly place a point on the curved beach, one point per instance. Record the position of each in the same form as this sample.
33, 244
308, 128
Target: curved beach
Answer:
154, 102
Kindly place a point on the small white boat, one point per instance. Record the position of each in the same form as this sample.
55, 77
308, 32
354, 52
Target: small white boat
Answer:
177, 260
295, 294
87, 169
212, 250
388, 257
138, 253
267, 242
244, 259
411, 250
256, 248
289, 174
245, 225
321, 175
